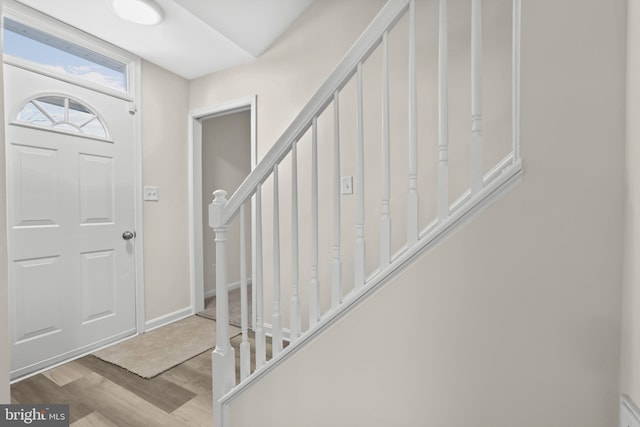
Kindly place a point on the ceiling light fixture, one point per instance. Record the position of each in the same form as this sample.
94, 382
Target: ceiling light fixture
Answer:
145, 12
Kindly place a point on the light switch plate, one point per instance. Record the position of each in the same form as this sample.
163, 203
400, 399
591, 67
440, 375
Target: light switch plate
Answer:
347, 185
151, 193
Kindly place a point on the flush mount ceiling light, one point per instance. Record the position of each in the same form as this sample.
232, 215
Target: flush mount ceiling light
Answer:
145, 12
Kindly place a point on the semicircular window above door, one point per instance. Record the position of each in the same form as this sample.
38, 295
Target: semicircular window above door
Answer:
63, 114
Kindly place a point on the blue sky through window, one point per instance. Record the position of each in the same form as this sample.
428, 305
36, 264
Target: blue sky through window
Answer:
60, 56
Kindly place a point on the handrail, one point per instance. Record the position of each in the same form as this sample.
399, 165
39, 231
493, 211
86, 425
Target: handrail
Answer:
359, 52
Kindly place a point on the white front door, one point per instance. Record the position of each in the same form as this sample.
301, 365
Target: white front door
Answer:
70, 199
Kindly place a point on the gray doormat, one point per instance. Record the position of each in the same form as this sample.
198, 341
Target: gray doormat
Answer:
152, 353
234, 307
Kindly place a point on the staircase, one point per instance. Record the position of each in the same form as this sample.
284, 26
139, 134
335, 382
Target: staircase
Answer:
325, 277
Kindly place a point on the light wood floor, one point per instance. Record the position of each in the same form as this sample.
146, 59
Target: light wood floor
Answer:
102, 394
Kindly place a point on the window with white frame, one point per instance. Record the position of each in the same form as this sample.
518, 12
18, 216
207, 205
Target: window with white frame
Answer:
51, 53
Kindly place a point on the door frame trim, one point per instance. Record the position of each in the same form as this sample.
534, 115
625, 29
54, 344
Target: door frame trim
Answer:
196, 256
138, 198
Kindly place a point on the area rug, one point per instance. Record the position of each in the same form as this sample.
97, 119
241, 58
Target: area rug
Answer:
152, 353
234, 307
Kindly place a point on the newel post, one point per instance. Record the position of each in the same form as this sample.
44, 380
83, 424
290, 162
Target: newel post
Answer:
223, 358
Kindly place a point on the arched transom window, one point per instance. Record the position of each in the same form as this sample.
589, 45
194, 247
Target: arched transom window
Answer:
64, 114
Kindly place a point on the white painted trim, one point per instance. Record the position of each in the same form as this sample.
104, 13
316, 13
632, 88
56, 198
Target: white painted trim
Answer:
629, 411
138, 180
487, 196
231, 286
268, 331
50, 129
196, 267
166, 319
195, 185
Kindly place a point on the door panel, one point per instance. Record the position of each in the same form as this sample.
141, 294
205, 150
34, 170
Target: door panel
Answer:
36, 285
98, 285
70, 198
35, 175
96, 189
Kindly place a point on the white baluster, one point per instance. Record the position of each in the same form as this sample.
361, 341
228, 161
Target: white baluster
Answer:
254, 268
412, 197
359, 260
477, 173
385, 220
443, 115
515, 80
261, 348
245, 349
295, 301
223, 357
314, 291
277, 324
336, 268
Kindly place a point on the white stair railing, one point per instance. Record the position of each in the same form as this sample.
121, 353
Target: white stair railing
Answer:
222, 212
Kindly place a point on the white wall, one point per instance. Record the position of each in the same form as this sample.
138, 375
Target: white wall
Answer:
630, 369
515, 319
165, 164
226, 162
4, 286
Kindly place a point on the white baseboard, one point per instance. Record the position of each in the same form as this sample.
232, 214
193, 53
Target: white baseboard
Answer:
152, 324
629, 412
268, 331
212, 292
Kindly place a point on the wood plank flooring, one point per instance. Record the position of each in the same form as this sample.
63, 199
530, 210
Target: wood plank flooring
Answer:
100, 394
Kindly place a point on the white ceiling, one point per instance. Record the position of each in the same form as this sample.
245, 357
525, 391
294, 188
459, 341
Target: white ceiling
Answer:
196, 37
